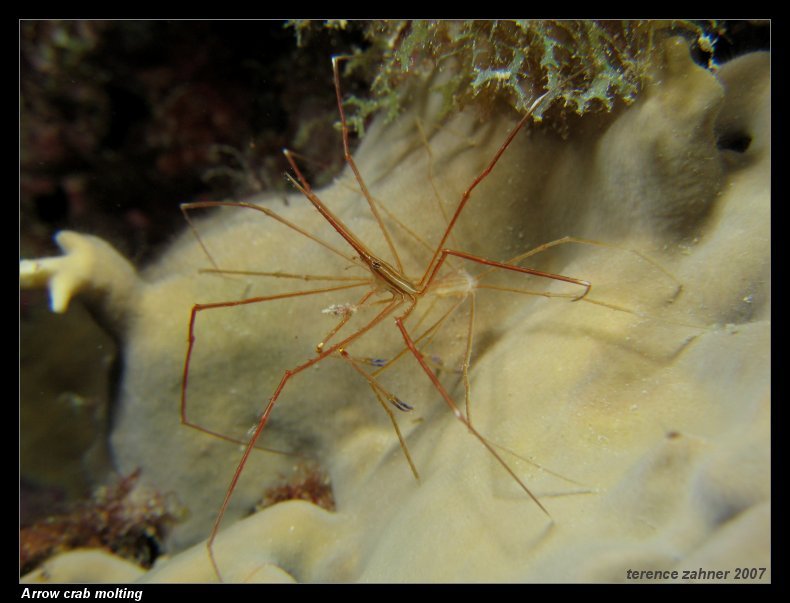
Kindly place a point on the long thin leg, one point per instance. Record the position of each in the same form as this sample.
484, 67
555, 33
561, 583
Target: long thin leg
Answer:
457, 412
395, 303
439, 255
350, 161
592, 243
187, 207
288, 275
379, 391
185, 420
423, 340
412, 347
494, 265
468, 357
509, 264
468, 256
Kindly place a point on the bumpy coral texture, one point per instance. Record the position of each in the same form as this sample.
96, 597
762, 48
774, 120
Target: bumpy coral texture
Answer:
639, 417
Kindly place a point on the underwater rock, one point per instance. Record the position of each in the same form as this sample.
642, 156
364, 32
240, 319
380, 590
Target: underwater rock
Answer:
638, 416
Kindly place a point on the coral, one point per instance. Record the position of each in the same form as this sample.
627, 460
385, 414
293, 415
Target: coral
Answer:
307, 484
86, 566
115, 283
589, 65
123, 518
647, 428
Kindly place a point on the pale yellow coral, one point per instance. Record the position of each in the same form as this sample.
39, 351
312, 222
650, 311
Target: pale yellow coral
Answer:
89, 267
89, 566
